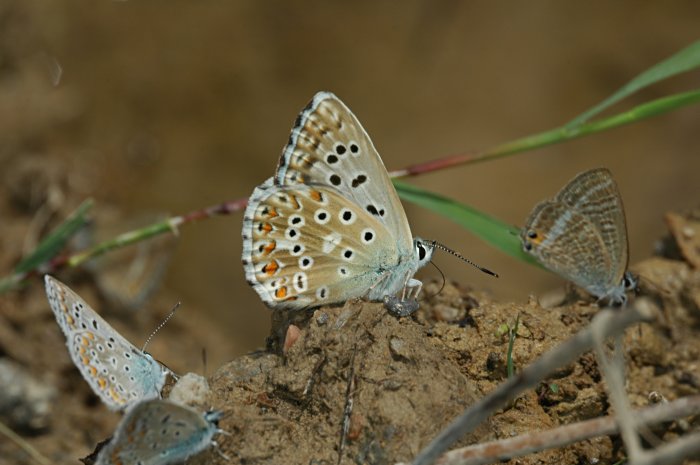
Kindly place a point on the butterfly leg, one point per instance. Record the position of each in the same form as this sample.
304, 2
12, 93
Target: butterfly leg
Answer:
411, 285
218, 450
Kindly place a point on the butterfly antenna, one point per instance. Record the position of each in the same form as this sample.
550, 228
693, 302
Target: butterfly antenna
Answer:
444, 248
160, 326
443, 279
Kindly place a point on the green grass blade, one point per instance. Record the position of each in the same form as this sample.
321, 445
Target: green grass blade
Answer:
512, 334
168, 225
562, 134
56, 240
680, 62
502, 236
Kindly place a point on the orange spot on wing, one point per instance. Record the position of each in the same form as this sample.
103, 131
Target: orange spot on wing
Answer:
269, 248
266, 227
537, 239
281, 293
272, 213
307, 160
102, 383
86, 361
270, 268
315, 195
294, 202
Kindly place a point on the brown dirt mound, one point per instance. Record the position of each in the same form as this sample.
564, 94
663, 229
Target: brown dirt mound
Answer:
411, 376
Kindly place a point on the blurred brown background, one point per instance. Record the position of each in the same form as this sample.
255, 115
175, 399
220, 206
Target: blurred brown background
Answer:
175, 105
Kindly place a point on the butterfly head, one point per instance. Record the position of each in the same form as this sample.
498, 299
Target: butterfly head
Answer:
630, 282
423, 251
213, 417
617, 297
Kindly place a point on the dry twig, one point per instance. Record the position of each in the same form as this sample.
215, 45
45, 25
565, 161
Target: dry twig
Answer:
504, 449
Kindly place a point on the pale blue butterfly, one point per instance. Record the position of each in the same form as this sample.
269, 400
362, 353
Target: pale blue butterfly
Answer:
160, 432
581, 234
119, 373
329, 226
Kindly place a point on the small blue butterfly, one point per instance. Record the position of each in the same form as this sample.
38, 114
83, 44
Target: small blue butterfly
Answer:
159, 432
329, 226
119, 373
581, 234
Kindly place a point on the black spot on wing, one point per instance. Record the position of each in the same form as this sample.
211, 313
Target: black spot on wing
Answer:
359, 180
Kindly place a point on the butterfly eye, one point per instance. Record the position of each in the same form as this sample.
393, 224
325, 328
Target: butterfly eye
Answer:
421, 251
532, 234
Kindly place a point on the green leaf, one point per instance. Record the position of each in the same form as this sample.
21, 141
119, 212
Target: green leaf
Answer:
681, 62
500, 235
56, 240
512, 334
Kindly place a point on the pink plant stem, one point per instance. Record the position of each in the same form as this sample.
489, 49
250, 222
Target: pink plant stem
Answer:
437, 164
225, 208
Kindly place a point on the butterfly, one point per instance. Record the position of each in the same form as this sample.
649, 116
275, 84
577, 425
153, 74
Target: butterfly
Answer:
119, 373
581, 234
329, 226
159, 432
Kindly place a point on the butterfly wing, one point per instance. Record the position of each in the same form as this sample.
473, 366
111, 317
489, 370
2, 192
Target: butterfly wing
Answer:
119, 373
596, 196
329, 146
307, 245
561, 238
158, 432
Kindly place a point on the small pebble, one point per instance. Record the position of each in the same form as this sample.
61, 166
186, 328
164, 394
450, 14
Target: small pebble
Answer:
322, 318
293, 333
191, 389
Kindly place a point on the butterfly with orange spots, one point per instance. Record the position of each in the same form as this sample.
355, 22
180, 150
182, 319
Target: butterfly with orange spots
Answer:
329, 226
119, 373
